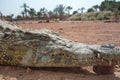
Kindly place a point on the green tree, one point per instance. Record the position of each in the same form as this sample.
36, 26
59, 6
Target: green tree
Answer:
90, 10
12, 15
118, 5
96, 7
43, 11
1, 16
51, 14
60, 11
75, 12
108, 5
68, 9
39, 14
32, 12
25, 7
55, 11
19, 17
81, 9
23, 14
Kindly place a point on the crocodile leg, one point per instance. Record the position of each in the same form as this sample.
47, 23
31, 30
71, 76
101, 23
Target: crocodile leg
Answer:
105, 68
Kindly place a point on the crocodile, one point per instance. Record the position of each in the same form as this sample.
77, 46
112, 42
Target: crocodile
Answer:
45, 48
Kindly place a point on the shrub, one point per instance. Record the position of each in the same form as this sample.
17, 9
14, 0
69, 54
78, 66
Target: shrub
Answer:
96, 14
108, 15
119, 12
100, 16
92, 18
84, 17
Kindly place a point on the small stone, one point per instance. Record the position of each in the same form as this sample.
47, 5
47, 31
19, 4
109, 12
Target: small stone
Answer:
28, 70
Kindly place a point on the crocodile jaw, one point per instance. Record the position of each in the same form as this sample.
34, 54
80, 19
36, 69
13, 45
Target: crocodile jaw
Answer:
44, 48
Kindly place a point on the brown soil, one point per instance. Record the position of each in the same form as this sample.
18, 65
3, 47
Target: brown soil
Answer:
84, 32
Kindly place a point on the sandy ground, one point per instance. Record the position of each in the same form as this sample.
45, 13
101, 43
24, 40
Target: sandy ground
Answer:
84, 32
16, 73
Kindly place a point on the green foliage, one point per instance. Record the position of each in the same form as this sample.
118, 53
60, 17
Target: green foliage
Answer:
23, 14
90, 10
19, 17
43, 11
60, 11
68, 9
32, 12
81, 9
109, 5
108, 15
83, 17
51, 14
100, 16
118, 4
90, 16
39, 14
25, 7
76, 17
75, 12
96, 7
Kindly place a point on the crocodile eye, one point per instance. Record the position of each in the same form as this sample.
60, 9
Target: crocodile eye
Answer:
7, 30
44, 37
6, 35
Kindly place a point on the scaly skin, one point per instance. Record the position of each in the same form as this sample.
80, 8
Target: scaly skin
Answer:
44, 48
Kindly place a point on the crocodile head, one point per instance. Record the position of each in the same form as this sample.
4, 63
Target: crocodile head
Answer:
45, 48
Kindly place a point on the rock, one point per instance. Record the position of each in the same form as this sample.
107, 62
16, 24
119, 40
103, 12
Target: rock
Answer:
45, 48
28, 70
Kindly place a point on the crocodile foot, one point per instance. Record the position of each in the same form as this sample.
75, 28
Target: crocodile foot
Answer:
103, 69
